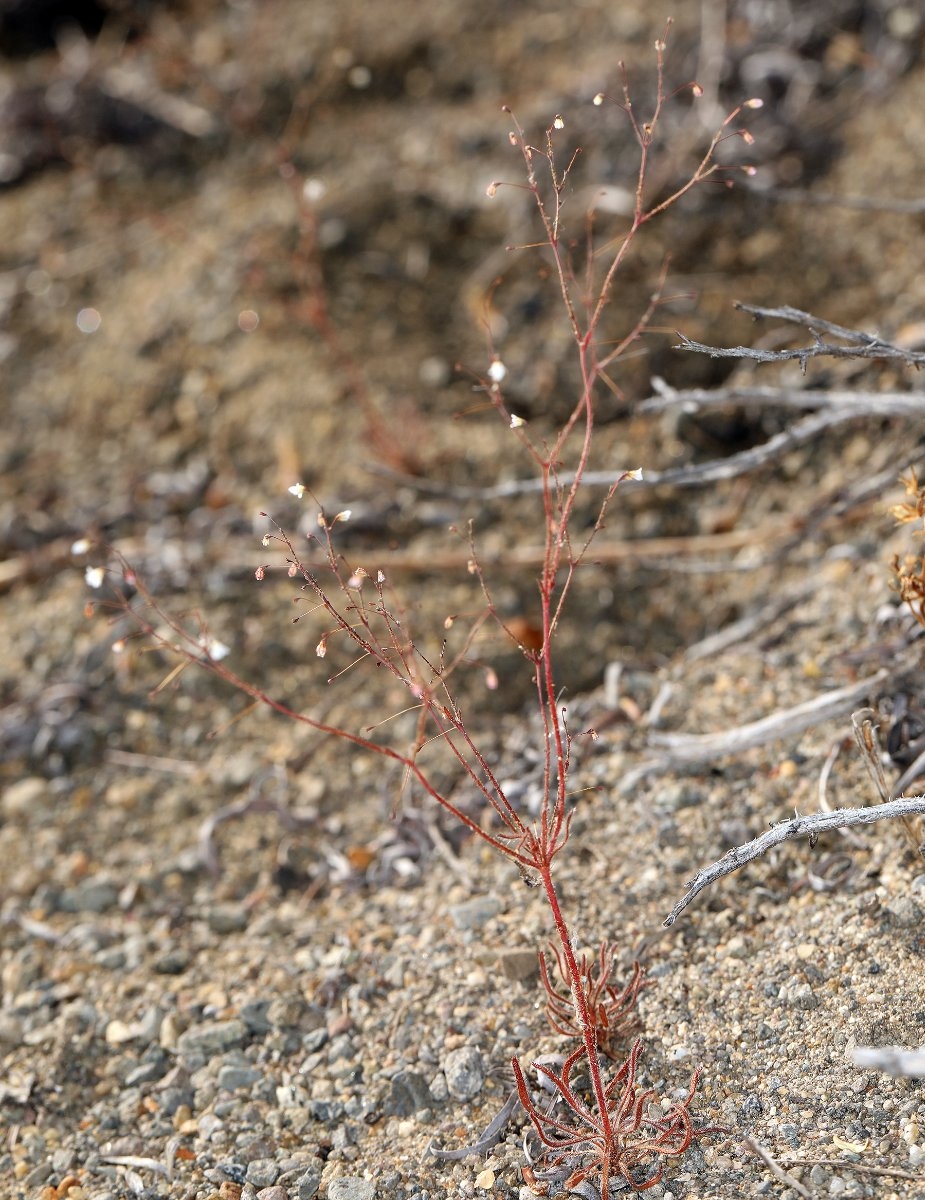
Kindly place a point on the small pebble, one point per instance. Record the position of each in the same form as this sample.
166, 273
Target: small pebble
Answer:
351, 1187
465, 1072
207, 1040
474, 913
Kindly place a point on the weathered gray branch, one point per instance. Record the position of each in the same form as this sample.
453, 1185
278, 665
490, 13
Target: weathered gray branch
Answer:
864, 403
853, 343
895, 1060
796, 827
692, 749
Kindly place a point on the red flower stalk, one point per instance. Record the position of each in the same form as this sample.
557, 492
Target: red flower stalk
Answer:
610, 1009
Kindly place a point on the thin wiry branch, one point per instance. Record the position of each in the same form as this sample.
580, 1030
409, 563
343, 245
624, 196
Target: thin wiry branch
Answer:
797, 827
852, 342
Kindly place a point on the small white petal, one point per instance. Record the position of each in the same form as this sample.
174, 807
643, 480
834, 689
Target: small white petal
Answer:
517, 422
497, 370
216, 650
298, 490
94, 576
81, 546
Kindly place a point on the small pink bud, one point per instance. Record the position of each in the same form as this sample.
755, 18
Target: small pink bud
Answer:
292, 571
260, 572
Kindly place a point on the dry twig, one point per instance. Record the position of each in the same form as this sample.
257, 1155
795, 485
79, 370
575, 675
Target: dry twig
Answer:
852, 343
797, 827
686, 749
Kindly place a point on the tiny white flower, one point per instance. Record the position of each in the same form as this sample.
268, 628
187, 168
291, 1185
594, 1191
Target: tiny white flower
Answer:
313, 190
559, 122
517, 422
599, 99
755, 102
81, 546
322, 648
94, 576
215, 649
497, 370
637, 474
344, 515
297, 490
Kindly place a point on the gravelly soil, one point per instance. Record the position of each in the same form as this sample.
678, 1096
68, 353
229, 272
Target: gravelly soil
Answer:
228, 966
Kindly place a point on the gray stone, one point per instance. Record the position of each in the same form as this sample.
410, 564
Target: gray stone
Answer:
227, 918
409, 1095
802, 997
905, 913
207, 1040
262, 1172
172, 962
518, 965
231, 1078
90, 895
351, 1187
465, 1072
474, 913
